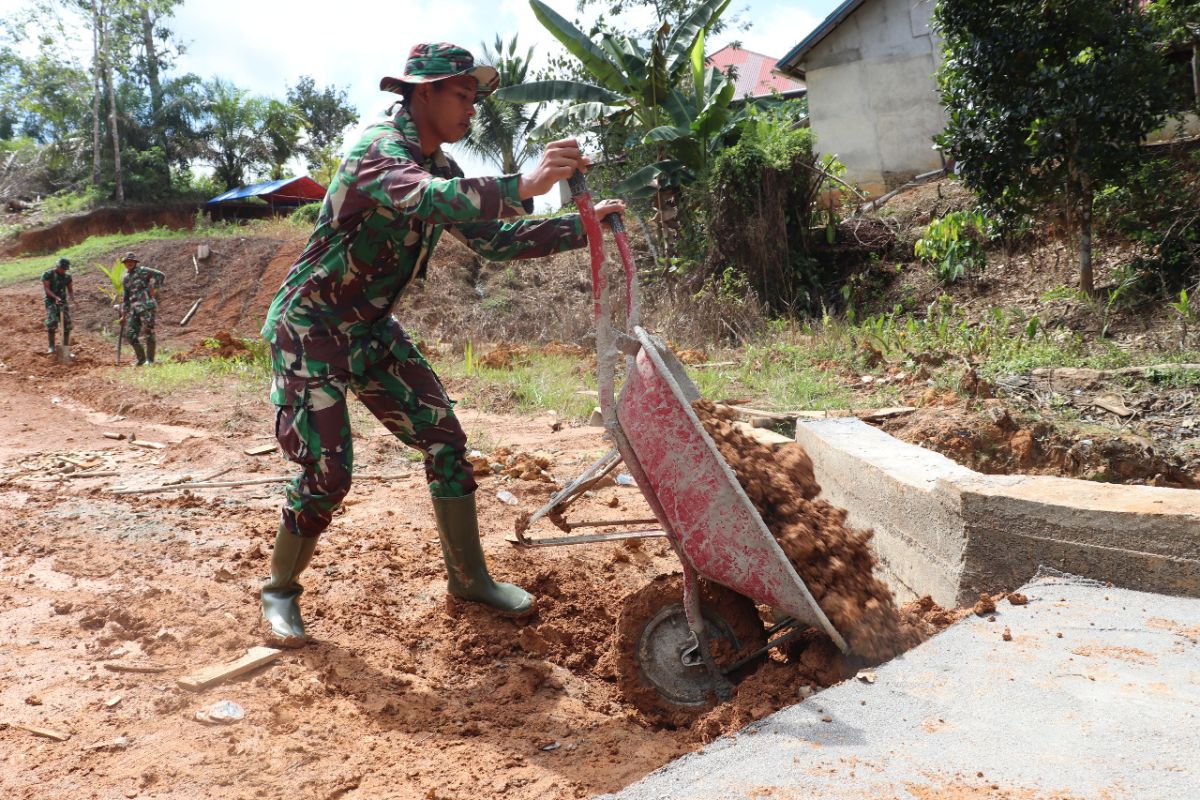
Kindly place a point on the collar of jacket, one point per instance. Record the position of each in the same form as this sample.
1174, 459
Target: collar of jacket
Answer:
437, 163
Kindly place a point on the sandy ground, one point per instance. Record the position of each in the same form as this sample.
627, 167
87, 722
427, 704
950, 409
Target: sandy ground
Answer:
404, 694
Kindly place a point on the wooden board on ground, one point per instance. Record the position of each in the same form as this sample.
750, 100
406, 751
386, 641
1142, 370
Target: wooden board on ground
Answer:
209, 676
149, 669
148, 445
49, 733
261, 449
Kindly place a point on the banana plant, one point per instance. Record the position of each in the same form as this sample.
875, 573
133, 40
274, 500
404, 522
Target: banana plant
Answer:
639, 84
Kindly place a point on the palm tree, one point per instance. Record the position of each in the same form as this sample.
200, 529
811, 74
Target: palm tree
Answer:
501, 131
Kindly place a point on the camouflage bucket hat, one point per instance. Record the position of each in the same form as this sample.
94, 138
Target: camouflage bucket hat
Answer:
428, 63
130, 256
62, 263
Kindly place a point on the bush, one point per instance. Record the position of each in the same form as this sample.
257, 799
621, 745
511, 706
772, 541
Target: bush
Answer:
954, 245
1156, 205
762, 195
306, 214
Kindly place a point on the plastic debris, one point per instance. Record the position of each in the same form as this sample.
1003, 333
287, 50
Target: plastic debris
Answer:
507, 497
625, 479
222, 712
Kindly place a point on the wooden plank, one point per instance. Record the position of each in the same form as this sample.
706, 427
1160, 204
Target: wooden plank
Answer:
763, 435
49, 733
261, 449
188, 316
113, 435
887, 413
145, 668
255, 657
148, 445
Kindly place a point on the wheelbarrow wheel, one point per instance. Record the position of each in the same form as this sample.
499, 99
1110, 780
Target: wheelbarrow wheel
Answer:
657, 669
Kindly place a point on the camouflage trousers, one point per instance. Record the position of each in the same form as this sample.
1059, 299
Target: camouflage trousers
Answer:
313, 430
140, 322
55, 312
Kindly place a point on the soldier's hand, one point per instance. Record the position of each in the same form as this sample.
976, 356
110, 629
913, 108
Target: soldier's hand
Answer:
607, 208
558, 162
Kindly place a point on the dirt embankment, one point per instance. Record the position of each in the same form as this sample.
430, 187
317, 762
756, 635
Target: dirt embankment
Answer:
100, 222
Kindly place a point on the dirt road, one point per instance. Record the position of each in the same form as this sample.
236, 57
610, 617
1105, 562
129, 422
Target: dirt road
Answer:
403, 695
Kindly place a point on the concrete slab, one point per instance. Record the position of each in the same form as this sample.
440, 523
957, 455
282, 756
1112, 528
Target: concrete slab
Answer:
944, 530
1109, 711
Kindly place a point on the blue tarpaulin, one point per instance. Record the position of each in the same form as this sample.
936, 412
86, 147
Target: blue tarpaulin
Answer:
288, 191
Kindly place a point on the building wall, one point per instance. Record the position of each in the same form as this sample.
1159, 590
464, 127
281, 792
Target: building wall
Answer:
872, 98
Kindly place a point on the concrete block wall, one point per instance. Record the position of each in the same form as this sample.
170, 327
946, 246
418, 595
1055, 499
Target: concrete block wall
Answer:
947, 531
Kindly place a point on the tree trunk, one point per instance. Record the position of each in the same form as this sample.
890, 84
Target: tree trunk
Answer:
1087, 282
112, 119
96, 92
1196, 72
152, 65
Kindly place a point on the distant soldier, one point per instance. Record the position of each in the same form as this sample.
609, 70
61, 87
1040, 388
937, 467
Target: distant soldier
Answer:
139, 307
60, 291
332, 332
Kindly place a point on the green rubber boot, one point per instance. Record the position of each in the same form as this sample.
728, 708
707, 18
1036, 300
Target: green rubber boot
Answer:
138, 351
466, 569
151, 346
50, 337
281, 593
66, 337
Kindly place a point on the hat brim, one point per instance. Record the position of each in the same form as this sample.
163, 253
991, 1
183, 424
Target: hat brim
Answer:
488, 78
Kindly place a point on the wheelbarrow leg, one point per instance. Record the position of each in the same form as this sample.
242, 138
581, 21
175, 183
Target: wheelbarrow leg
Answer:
691, 608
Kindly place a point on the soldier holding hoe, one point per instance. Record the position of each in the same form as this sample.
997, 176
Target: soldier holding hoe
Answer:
60, 291
139, 306
332, 331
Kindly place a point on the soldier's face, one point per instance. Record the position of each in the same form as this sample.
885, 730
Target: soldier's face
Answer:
449, 106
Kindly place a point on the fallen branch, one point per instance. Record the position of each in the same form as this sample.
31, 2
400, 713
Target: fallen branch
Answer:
915, 182
188, 316
251, 482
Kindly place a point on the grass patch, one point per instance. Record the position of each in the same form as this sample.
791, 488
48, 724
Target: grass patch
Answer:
89, 251
167, 376
540, 383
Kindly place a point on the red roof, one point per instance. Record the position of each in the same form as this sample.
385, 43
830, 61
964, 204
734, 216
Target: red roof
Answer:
754, 76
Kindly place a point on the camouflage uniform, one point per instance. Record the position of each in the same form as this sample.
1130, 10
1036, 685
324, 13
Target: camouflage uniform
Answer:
59, 284
139, 304
331, 326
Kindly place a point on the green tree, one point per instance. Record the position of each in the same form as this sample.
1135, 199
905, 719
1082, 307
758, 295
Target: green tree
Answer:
501, 131
234, 143
326, 113
281, 125
1048, 101
1179, 23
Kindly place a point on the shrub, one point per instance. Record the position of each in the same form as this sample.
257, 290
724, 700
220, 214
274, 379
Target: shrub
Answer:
954, 245
762, 197
306, 214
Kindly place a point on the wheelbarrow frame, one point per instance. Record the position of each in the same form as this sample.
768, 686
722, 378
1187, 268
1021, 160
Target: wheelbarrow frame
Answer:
696, 498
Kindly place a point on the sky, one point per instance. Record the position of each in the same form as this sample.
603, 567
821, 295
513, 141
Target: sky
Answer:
265, 45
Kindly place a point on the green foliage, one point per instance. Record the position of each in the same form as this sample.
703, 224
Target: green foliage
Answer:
643, 88
1048, 101
115, 275
1101, 304
761, 211
306, 214
954, 245
1155, 204
501, 132
325, 114
69, 202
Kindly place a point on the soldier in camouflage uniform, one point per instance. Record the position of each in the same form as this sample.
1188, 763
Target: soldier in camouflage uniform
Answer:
139, 307
332, 331
57, 285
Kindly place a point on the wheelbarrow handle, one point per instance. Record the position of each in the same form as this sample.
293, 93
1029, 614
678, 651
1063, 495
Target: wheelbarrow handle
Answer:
583, 200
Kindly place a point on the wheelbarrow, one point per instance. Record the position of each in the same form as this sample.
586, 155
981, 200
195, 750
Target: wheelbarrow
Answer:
698, 504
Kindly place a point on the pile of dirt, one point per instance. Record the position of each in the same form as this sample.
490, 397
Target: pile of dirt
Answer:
836, 562
220, 345
512, 463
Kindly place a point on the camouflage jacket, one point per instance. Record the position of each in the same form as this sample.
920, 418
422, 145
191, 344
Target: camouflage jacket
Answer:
58, 284
381, 219
140, 284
